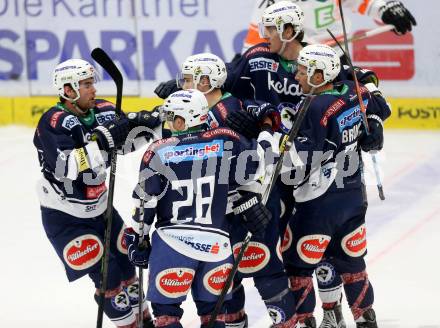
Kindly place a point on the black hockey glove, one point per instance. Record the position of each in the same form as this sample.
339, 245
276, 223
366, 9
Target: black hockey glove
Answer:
111, 134
254, 214
137, 254
149, 119
374, 140
243, 123
164, 89
261, 110
395, 13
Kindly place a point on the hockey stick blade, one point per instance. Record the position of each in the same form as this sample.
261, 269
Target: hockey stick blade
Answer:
103, 59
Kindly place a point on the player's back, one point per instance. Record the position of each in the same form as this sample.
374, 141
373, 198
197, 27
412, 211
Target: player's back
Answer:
191, 175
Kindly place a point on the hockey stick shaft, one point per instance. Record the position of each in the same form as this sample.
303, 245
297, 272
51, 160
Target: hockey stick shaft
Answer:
363, 35
359, 95
141, 270
288, 143
101, 57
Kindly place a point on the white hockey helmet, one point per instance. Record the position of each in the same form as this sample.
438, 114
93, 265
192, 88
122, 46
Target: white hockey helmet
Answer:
191, 105
71, 72
204, 64
279, 14
321, 57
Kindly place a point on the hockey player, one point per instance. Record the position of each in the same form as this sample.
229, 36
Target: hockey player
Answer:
323, 15
329, 218
72, 191
207, 73
266, 72
185, 182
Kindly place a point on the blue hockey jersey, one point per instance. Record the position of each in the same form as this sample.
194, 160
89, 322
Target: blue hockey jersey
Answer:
187, 178
325, 154
73, 167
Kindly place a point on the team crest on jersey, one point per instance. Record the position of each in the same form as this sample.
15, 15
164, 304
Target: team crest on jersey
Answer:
311, 248
355, 243
133, 291
215, 279
287, 239
255, 258
350, 117
83, 252
263, 64
120, 242
103, 117
70, 121
276, 314
325, 273
174, 282
121, 302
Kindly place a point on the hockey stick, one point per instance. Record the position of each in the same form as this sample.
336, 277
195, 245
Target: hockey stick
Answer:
361, 36
141, 270
358, 92
101, 57
287, 144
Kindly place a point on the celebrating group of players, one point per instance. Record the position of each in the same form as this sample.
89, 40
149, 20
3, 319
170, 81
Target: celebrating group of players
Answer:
202, 179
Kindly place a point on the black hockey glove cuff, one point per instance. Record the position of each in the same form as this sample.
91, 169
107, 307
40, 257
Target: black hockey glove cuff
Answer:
261, 110
243, 123
138, 255
254, 214
164, 89
111, 134
395, 13
147, 120
374, 140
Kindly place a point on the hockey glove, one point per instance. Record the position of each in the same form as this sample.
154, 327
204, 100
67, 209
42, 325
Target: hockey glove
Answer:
164, 89
374, 140
149, 119
137, 254
395, 13
254, 214
261, 110
243, 123
111, 134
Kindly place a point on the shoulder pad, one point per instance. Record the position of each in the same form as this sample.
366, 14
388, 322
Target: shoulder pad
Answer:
55, 117
104, 104
226, 132
258, 49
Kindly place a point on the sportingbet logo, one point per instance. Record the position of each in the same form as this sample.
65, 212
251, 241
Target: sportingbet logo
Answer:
191, 152
350, 117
